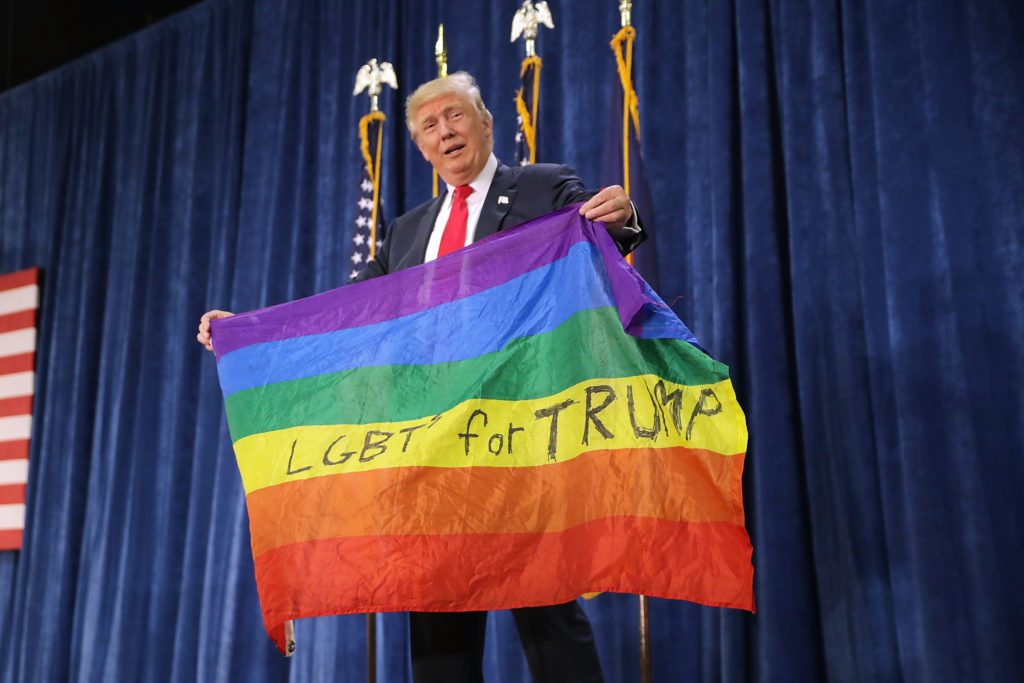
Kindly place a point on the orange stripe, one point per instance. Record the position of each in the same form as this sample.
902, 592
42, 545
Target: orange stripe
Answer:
14, 450
19, 320
673, 483
19, 362
10, 539
12, 493
21, 278
16, 405
705, 562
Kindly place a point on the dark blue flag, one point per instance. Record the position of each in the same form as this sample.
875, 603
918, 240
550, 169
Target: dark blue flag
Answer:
527, 104
623, 158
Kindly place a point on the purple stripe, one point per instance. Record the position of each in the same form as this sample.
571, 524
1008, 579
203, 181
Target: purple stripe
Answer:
487, 263
641, 310
628, 287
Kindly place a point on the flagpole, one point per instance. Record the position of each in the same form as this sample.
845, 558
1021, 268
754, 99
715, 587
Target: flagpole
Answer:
441, 57
370, 77
625, 67
371, 647
645, 640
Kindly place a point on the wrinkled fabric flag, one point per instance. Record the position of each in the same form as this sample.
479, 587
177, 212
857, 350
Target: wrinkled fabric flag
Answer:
515, 424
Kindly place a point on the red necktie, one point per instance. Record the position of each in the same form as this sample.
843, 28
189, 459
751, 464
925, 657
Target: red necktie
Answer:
454, 235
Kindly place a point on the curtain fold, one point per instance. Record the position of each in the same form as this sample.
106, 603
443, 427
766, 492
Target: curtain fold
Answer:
839, 192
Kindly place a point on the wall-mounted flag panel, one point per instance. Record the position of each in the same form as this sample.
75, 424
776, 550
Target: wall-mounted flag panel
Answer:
19, 304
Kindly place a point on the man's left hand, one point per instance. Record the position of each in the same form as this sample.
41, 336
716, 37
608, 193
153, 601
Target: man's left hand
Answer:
610, 206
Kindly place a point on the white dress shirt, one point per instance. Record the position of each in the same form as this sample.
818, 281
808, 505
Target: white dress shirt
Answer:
474, 203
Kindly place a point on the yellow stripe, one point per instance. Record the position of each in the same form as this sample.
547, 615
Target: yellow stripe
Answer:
598, 414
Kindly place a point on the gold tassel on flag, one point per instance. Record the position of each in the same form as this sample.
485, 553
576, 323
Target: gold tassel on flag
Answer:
526, 138
372, 162
630, 108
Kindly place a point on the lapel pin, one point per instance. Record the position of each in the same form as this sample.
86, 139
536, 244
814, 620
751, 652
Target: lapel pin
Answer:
502, 199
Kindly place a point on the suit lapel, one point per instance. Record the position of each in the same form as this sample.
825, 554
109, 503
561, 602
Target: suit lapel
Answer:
500, 198
422, 235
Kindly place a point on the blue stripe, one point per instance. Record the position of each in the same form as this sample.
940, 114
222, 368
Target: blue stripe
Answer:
461, 329
659, 322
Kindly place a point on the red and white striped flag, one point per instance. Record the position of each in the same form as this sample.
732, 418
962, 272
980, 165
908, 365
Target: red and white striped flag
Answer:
19, 302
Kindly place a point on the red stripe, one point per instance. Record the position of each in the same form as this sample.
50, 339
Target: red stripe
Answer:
14, 450
10, 539
19, 362
16, 405
705, 562
29, 276
12, 493
19, 320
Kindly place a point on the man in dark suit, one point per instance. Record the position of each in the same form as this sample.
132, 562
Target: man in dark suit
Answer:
453, 130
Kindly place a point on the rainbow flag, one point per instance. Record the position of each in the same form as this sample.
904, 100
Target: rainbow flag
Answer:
514, 424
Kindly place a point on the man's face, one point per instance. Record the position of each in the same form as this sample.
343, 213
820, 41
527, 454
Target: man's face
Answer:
454, 137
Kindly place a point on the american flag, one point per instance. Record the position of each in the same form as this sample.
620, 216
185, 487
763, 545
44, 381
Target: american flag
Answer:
361, 238
368, 233
19, 303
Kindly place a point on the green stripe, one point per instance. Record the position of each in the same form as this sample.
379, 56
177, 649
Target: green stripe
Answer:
591, 344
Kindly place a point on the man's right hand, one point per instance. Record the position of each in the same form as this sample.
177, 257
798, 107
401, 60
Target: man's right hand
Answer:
204, 327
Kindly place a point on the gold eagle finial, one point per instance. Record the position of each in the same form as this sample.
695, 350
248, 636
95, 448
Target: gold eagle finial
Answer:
526, 20
370, 77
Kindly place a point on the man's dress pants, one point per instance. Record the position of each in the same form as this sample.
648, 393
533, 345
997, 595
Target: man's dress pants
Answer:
559, 645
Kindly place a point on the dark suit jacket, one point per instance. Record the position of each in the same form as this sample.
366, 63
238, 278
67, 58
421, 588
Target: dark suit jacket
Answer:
531, 192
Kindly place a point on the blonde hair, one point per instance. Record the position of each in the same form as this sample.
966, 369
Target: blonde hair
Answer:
459, 83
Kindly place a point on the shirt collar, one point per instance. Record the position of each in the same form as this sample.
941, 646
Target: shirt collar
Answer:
482, 182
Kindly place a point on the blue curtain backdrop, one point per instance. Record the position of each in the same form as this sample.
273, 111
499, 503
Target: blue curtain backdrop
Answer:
839, 193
